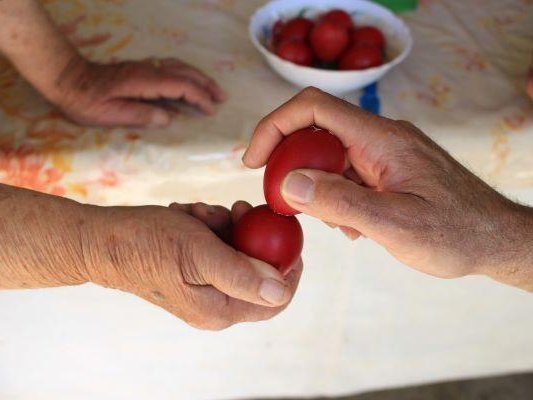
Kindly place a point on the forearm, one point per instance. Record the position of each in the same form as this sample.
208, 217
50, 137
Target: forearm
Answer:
40, 238
34, 45
512, 253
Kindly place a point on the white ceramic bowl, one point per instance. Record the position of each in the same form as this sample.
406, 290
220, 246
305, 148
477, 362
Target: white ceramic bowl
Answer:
399, 42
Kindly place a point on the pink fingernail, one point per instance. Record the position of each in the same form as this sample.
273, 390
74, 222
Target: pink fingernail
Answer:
273, 291
299, 188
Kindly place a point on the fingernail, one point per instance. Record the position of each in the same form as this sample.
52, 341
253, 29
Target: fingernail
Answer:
352, 235
244, 157
298, 187
272, 291
160, 119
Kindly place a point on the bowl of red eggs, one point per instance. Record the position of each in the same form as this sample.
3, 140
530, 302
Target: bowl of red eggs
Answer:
335, 45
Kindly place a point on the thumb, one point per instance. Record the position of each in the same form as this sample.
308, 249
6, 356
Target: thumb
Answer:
335, 199
242, 277
136, 114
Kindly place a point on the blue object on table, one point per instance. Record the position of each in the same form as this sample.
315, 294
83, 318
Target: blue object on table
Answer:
370, 99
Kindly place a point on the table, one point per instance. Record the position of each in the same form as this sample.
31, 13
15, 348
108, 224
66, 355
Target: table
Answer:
360, 320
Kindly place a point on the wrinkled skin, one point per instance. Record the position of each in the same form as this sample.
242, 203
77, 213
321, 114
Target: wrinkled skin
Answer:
174, 257
403, 191
126, 93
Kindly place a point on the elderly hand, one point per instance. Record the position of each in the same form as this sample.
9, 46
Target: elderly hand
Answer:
404, 192
127, 93
176, 258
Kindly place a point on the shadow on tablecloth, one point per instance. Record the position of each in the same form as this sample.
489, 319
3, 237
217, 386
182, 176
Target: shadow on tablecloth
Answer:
512, 387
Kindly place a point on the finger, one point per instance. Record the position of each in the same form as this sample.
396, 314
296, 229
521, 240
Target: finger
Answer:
350, 233
214, 310
238, 311
197, 76
134, 114
353, 125
200, 78
206, 308
151, 85
216, 218
335, 199
186, 208
192, 93
167, 105
239, 276
246, 312
333, 226
238, 210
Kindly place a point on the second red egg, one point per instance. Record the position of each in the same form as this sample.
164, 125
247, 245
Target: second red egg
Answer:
275, 239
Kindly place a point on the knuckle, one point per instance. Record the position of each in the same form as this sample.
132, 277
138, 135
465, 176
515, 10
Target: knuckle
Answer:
257, 313
209, 319
212, 324
344, 203
405, 124
185, 84
269, 313
347, 205
187, 259
311, 92
263, 124
334, 195
196, 91
242, 280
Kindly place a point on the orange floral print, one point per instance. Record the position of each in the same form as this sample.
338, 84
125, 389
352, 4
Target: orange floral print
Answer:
23, 167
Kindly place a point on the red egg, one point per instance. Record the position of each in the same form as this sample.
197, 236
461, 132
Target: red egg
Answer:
309, 148
296, 29
276, 32
296, 52
269, 237
339, 17
361, 57
329, 40
368, 36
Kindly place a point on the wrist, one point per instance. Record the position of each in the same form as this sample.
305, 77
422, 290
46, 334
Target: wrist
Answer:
510, 259
96, 239
40, 240
119, 244
36, 47
66, 83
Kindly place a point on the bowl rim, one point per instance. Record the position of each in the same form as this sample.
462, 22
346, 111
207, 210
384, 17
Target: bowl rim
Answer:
390, 64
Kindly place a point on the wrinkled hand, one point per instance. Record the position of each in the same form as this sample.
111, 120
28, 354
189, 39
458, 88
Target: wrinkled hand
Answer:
176, 258
127, 93
402, 190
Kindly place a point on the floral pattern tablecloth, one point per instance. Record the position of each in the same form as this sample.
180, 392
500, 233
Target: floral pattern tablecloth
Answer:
360, 320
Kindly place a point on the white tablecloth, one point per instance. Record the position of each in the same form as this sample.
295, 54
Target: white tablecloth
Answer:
360, 320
